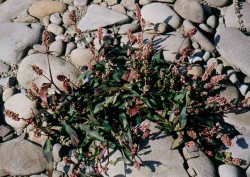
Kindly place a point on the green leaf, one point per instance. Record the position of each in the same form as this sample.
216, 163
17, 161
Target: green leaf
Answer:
84, 75
98, 108
176, 143
127, 156
92, 134
179, 97
183, 117
72, 134
47, 150
123, 120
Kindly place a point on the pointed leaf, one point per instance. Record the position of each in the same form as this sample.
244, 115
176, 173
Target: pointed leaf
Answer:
72, 134
47, 150
176, 143
183, 117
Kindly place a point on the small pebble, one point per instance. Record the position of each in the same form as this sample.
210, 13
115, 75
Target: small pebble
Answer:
212, 21
55, 29
7, 94
56, 19
243, 89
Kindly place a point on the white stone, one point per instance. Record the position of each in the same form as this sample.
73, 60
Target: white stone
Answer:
159, 13
212, 21
240, 149
55, 29
70, 46
145, 2
124, 28
56, 19
206, 28
7, 94
233, 46
226, 170
119, 8
156, 160
81, 57
22, 105
26, 75
231, 19
96, 17
203, 41
81, 2
57, 156
57, 46
16, 38
4, 67
129, 4
20, 157
217, 3
190, 10
12, 8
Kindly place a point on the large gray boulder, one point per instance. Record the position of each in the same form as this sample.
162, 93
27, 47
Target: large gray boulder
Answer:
26, 75
16, 39
159, 13
231, 19
20, 157
11, 8
156, 156
98, 16
234, 47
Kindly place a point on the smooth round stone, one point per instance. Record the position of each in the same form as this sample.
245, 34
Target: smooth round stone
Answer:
57, 46
207, 56
39, 48
212, 21
145, 2
124, 28
196, 70
22, 105
195, 59
56, 19
230, 93
212, 61
232, 76
119, 8
190, 10
81, 57
56, 152
4, 67
159, 13
45, 8
161, 28
195, 45
219, 69
55, 29
66, 20
206, 28
226, 170
81, 2
70, 46
129, 4
7, 94
243, 89
45, 20
217, 3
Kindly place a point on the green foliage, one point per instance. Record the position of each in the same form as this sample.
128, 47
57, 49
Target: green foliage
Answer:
126, 86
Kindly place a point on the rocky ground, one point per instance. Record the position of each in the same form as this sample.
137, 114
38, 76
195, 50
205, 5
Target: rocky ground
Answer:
219, 39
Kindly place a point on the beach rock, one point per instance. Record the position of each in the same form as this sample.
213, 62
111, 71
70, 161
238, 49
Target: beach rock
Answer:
12, 8
44, 8
129, 4
16, 39
199, 162
229, 92
4, 67
212, 21
124, 28
81, 2
81, 57
217, 3
159, 13
240, 120
171, 43
58, 47
5, 130
203, 41
65, 168
7, 94
233, 46
20, 157
56, 19
22, 105
190, 10
241, 149
24, 17
196, 70
55, 29
26, 75
96, 17
231, 19
119, 8
70, 46
226, 170
154, 158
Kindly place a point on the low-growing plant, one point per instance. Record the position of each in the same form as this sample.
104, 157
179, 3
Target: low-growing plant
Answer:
106, 108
